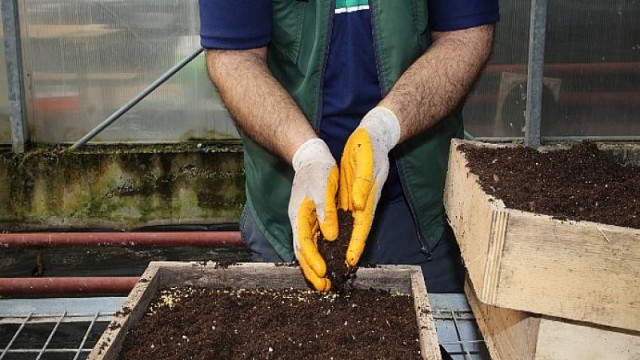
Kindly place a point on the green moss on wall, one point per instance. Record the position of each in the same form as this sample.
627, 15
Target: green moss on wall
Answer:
123, 186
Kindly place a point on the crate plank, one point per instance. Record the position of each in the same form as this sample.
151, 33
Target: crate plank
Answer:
403, 279
508, 334
511, 334
582, 271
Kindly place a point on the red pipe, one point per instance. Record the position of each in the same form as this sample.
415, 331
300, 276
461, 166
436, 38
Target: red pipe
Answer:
66, 285
187, 238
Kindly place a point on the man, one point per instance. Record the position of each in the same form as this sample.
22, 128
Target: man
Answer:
377, 84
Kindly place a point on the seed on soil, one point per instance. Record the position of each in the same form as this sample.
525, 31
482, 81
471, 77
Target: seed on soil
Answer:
289, 323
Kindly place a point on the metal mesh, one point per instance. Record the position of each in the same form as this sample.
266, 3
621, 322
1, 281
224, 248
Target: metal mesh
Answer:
53, 328
51, 336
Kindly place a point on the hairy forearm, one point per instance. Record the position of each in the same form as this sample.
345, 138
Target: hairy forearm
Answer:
435, 84
257, 102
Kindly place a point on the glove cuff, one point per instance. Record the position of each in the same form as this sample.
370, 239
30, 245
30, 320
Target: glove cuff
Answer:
383, 124
312, 151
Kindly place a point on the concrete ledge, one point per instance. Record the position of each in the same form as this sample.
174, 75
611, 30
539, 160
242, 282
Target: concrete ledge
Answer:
120, 186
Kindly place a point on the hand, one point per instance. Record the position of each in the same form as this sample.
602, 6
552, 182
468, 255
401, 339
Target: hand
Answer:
363, 170
312, 206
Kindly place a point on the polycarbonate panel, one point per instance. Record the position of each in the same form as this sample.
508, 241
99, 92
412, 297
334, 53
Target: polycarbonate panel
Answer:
592, 68
187, 106
84, 59
5, 123
495, 106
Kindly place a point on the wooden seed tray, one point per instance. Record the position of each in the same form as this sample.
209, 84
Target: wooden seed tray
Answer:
582, 271
403, 279
511, 334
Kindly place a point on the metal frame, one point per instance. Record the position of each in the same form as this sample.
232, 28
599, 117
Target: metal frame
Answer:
535, 73
13, 55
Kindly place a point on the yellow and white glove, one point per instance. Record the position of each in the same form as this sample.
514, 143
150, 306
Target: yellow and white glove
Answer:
313, 205
363, 171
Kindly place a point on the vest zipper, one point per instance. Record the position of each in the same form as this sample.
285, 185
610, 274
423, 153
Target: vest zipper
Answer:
405, 191
332, 7
407, 195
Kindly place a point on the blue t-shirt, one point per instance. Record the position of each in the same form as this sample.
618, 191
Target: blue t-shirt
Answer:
351, 85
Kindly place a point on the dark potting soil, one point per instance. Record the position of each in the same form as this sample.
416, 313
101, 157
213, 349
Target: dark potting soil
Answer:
335, 252
198, 323
580, 183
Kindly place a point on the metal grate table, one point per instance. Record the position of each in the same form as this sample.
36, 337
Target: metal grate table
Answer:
53, 329
457, 329
67, 328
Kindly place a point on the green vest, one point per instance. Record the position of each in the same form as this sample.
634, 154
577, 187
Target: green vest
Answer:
297, 54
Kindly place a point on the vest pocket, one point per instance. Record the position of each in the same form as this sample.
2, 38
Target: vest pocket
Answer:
288, 18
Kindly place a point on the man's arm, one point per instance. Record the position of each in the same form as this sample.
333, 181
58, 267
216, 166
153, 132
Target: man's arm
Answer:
270, 116
257, 102
436, 83
427, 92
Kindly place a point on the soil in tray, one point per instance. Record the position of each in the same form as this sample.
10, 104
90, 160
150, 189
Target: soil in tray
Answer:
198, 323
580, 183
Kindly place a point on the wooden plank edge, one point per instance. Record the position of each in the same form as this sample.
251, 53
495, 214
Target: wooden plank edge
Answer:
109, 345
564, 339
429, 345
513, 334
487, 282
497, 235
508, 334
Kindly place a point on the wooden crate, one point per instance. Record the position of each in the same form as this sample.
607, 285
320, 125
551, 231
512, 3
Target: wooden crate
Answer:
403, 279
582, 271
511, 334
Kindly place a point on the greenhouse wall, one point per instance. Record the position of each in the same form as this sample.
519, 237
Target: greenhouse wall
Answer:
591, 77
593, 58
485, 112
85, 59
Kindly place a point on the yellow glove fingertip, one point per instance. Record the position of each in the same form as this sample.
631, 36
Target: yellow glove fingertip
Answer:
318, 283
326, 286
313, 261
354, 252
322, 284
